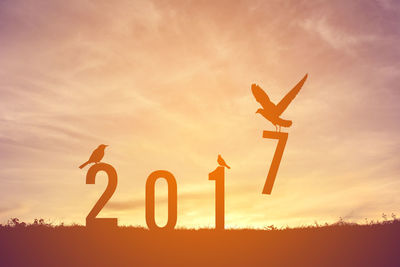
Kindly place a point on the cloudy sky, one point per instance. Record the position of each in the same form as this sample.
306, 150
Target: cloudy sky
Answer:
167, 85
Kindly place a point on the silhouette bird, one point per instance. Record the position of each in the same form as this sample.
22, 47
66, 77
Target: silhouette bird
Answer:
222, 162
96, 156
272, 112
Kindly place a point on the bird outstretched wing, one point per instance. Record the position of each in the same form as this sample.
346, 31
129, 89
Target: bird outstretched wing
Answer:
262, 97
284, 103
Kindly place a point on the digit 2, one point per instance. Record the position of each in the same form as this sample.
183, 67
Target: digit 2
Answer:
91, 220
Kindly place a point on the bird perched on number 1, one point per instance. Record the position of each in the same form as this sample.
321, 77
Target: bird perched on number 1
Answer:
222, 162
96, 156
272, 112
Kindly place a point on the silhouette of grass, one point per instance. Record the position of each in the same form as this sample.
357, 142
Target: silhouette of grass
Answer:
339, 244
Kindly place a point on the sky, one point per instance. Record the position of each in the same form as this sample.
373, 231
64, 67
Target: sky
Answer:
166, 84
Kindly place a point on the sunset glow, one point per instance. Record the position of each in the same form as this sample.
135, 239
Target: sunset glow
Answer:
167, 85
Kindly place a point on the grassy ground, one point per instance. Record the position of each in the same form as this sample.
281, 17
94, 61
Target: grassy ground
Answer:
332, 245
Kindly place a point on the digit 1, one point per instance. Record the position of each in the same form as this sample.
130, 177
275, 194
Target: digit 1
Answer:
172, 200
218, 175
276, 160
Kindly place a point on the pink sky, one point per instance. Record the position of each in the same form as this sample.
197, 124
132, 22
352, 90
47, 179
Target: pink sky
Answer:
167, 85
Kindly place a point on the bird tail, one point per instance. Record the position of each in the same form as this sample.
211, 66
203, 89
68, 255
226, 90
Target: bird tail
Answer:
227, 166
284, 123
83, 165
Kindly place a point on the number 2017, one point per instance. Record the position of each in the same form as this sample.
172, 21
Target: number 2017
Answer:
218, 175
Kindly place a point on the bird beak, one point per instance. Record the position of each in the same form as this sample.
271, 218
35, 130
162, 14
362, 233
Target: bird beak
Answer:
105, 145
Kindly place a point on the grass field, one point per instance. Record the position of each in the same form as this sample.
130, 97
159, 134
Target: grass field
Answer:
341, 244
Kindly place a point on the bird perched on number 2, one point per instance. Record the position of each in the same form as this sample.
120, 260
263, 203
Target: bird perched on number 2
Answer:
96, 156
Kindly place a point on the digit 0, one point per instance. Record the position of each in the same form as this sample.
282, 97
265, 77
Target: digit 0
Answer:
172, 200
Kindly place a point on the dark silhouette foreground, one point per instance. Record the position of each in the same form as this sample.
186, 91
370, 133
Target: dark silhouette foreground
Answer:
335, 245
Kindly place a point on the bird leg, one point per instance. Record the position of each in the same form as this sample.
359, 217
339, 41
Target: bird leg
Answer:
276, 128
279, 128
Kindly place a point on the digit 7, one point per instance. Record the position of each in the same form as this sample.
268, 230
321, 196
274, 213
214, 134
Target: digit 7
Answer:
273, 169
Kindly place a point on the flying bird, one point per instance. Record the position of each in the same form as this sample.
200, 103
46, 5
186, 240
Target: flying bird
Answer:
222, 162
96, 156
272, 112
